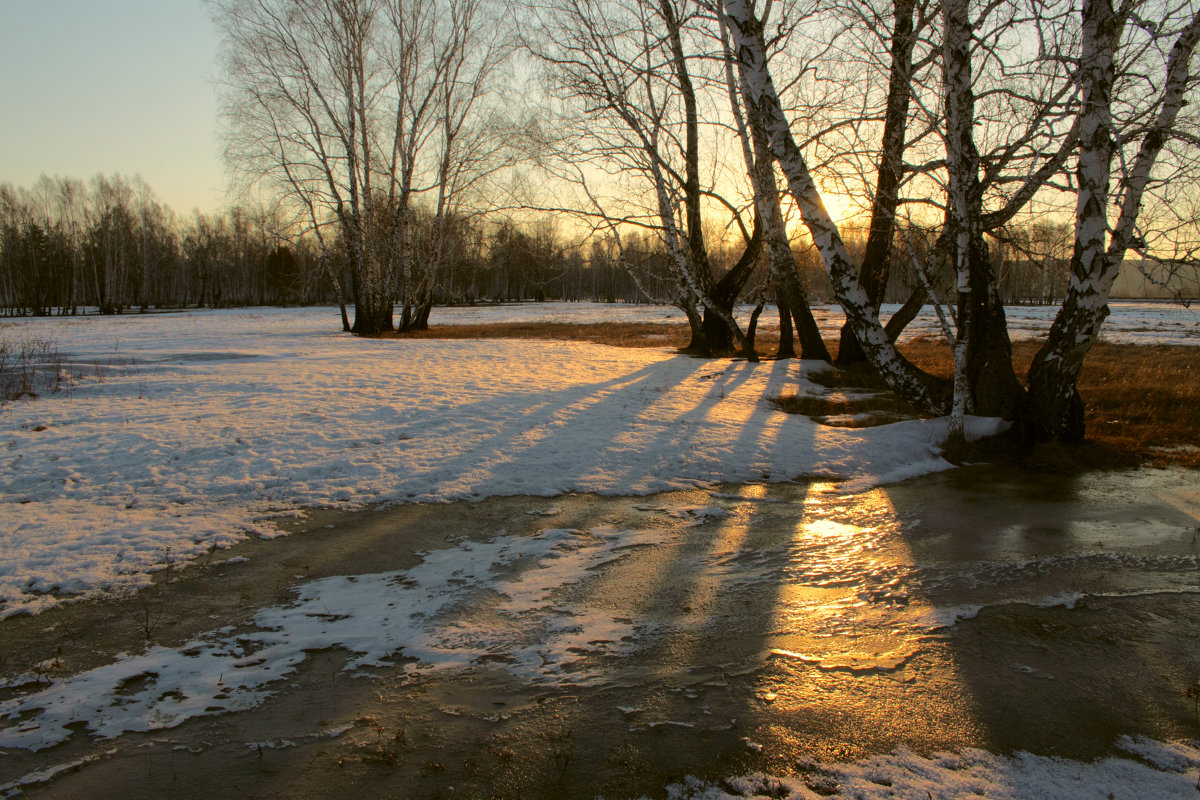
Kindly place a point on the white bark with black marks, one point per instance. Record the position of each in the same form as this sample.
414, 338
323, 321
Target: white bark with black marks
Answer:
759, 91
1098, 252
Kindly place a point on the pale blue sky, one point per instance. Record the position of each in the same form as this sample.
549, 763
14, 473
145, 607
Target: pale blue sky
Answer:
126, 86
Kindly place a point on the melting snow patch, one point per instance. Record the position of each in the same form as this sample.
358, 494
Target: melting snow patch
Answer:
15, 788
1066, 600
274, 744
422, 614
697, 513
544, 512
933, 618
1162, 771
1172, 757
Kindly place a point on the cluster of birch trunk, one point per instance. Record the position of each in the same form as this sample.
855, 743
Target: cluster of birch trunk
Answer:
953, 117
719, 124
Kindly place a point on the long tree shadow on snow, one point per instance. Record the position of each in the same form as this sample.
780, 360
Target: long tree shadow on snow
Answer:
631, 430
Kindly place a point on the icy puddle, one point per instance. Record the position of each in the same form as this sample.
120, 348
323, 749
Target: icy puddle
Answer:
911, 636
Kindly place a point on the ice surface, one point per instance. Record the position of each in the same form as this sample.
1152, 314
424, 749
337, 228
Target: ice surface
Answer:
376, 618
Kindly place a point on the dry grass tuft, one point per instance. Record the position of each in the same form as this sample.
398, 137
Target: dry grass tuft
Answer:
839, 411
858, 377
871, 404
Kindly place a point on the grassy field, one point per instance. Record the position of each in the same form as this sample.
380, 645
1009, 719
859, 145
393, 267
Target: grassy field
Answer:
1142, 401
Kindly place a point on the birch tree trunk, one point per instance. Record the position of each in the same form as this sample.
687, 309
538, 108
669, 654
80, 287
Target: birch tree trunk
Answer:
1057, 410
916, 387
760, 166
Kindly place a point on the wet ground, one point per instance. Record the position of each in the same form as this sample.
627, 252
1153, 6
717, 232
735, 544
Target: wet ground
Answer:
586, 646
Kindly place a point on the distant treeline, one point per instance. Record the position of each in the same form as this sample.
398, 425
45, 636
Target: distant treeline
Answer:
109, 244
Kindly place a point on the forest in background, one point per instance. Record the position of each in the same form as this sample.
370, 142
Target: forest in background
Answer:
108, 245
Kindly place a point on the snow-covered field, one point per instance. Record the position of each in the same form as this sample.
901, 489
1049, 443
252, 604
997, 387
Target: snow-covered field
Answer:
1131, 321
186, 431
189, 431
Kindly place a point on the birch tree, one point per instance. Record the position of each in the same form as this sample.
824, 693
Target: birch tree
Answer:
357, 111
790, 295
758, 88
1106, 223
629, 69
445, 60
301, 103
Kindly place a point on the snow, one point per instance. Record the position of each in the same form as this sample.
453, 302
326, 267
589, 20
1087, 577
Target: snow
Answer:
186, 432
191, 431
1157, 770
374, 617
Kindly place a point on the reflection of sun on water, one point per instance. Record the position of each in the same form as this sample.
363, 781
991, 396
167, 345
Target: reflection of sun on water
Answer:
844, 610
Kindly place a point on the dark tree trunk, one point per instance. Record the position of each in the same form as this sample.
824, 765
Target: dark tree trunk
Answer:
812, 345
421, 318
715, 336
752, 327
873, 274
371, 320
995, 389
698, 345
906, 314
787, 346
991, 385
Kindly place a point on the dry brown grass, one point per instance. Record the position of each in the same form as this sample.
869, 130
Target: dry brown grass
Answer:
1142, 399
623, 334
1139, 399
870, 399
839, 411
